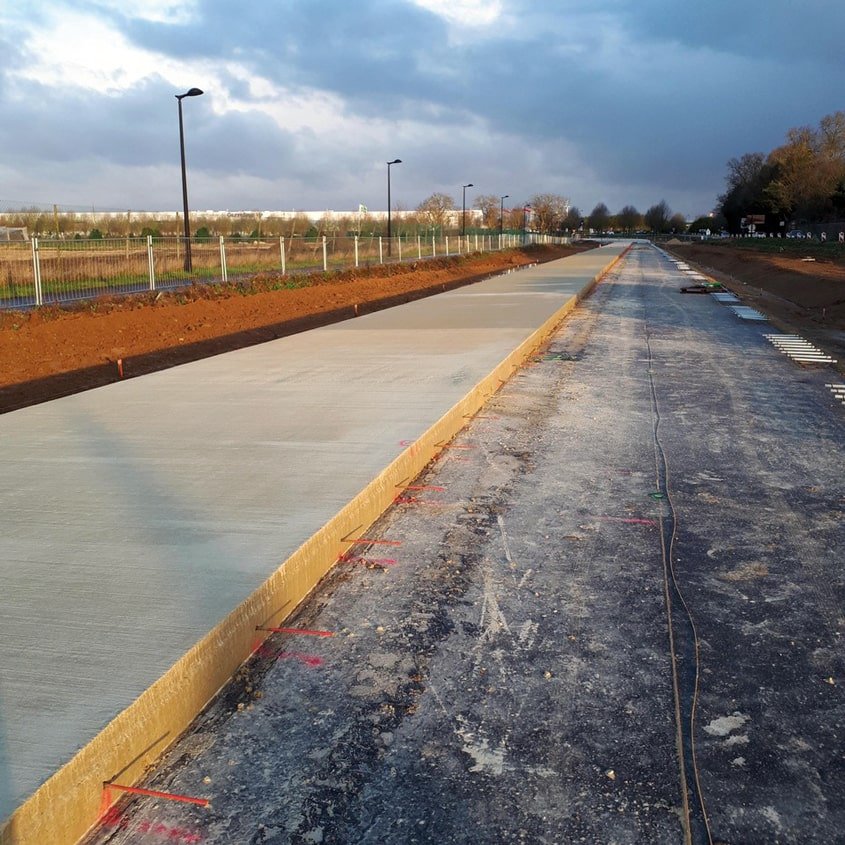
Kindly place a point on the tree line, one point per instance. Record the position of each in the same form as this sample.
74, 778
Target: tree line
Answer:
801, 182
546, 213
551, 213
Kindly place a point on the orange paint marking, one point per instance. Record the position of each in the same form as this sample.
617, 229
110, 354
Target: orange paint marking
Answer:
154, 793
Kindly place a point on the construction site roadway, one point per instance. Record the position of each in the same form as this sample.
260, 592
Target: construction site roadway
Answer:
610, 612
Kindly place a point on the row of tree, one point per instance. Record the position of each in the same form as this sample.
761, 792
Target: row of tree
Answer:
800, 182
547, 213
551, 213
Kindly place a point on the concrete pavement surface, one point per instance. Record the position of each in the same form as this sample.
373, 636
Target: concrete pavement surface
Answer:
136, 516
660, 483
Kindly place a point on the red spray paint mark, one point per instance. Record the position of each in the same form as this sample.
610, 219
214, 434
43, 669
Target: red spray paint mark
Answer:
406, 442
154, 793
114, 818
628, 520
306, 632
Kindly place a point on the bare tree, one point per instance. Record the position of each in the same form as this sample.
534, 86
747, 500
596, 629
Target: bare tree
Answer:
514, 217
599, 218
489, 205
548, 211
572, 221
749, 189
434, 211
629, 219
678, 223
657, 217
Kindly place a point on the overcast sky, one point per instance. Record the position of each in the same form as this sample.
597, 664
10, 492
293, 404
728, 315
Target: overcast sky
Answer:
610, 101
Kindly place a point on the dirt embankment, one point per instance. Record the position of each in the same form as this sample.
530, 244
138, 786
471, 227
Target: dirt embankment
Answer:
54, 352
801, 296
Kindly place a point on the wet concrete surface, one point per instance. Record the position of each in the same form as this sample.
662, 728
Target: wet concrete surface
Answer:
505, 673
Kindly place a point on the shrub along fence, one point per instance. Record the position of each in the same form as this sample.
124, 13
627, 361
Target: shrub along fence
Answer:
42, 272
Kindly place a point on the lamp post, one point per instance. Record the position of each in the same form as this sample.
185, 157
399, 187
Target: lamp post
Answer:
193, 92
389, 242
502, 214
464, 210
525, 211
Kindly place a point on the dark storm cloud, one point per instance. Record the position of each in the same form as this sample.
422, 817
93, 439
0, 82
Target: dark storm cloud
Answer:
787, 32
364, 47
387, 59
656, 95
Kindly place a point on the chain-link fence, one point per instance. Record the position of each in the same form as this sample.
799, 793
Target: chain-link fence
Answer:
42, 271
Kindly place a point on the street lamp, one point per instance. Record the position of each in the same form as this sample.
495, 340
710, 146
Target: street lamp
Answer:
193, 92
502, 214
395, 161
464, 210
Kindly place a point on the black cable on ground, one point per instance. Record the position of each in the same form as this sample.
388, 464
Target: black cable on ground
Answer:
683, 643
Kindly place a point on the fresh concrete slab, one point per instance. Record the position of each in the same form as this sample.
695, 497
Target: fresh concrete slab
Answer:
136, 516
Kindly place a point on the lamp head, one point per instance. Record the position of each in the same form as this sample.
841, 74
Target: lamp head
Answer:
395, 161
191, 92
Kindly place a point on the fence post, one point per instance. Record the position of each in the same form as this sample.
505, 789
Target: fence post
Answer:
356, 251
224, 272
282, 253
399, 240
447, 245
36, 272
325, 257
433, 247
419, 247
476, 242
151, 262
380, 254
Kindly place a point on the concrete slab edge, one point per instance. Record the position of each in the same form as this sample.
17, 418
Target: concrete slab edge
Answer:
70, 802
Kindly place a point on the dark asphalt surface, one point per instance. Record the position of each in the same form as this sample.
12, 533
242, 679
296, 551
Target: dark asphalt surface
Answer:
509, 677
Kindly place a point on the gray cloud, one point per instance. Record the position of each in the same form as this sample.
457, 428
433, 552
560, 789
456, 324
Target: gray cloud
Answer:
614, 102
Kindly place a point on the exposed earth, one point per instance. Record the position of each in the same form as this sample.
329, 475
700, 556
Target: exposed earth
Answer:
54, 352
800, 294
58, 351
